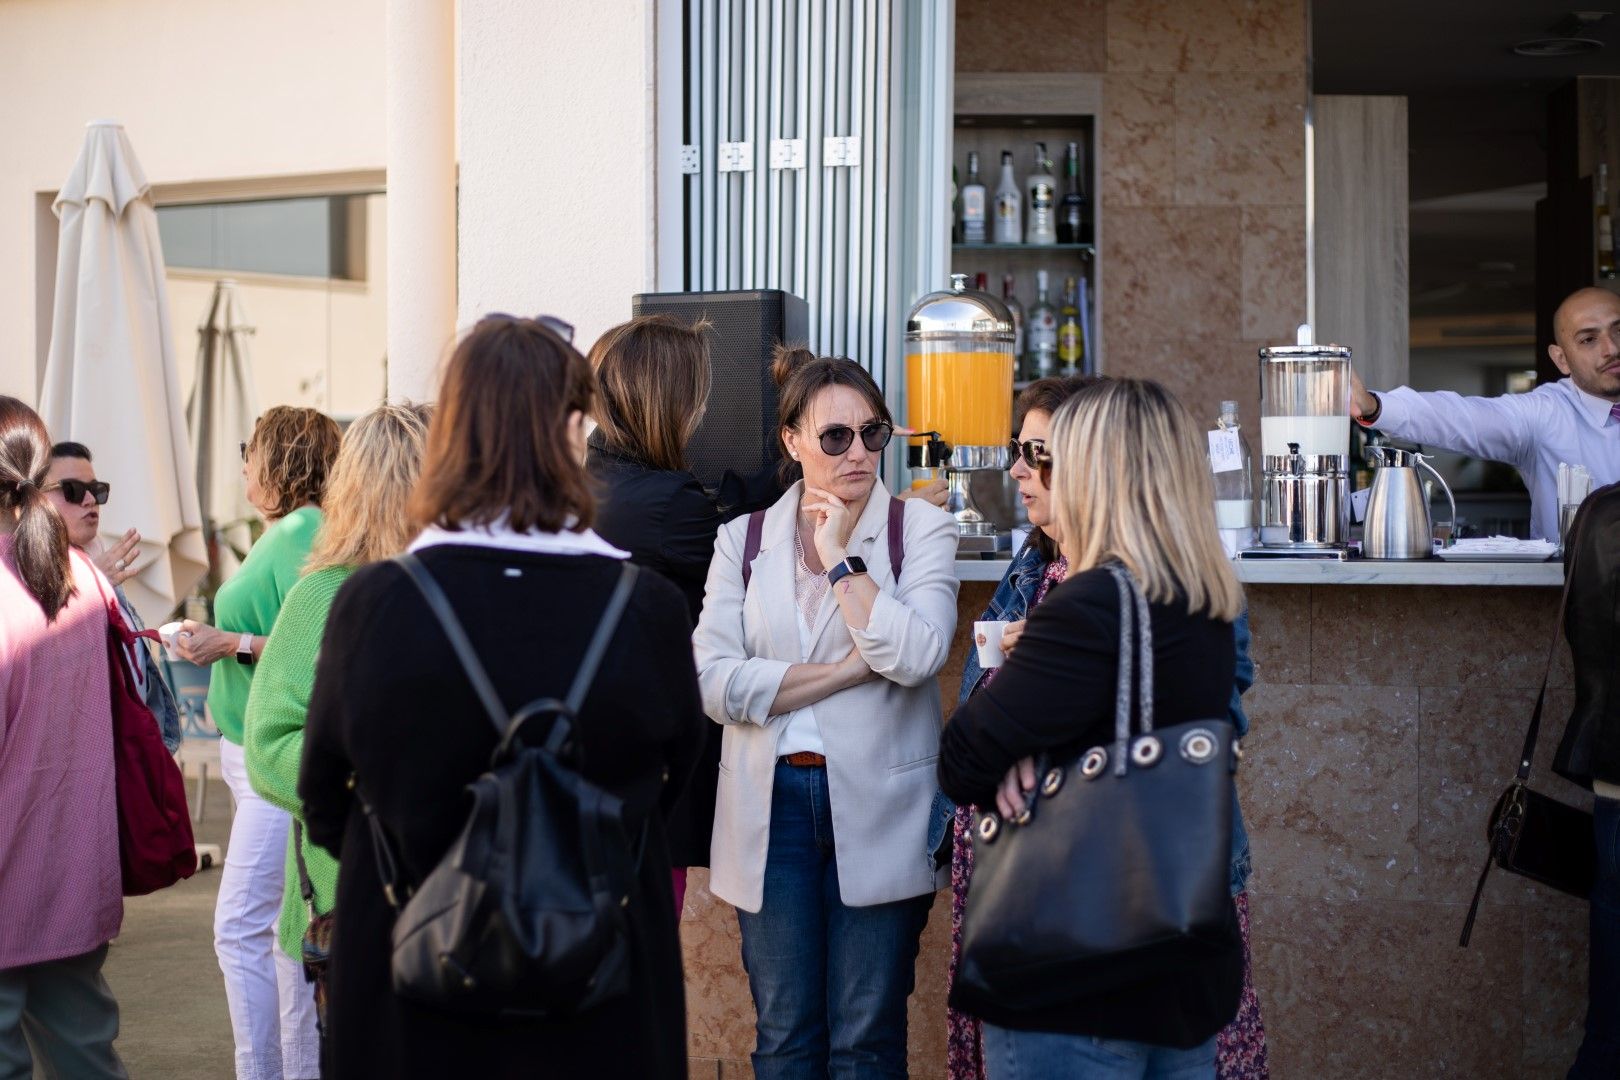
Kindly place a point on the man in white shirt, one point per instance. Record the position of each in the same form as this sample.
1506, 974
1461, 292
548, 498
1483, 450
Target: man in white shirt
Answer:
1574, 420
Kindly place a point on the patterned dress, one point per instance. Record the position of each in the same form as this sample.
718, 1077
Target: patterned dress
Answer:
1240, 1047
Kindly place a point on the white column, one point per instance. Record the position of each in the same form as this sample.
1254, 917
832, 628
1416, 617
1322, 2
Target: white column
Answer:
557, 122
421, 45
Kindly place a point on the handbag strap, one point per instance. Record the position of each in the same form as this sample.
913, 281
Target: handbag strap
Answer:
1133, 615
306, 887
1533, 733
474, 668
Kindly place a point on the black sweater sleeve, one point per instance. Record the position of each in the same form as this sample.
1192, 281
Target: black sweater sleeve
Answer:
1055, 690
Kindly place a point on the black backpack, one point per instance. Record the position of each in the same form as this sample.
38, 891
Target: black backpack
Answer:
525, 914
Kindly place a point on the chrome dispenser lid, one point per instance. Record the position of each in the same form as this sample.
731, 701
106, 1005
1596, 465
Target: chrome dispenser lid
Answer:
1305, 348
956, 311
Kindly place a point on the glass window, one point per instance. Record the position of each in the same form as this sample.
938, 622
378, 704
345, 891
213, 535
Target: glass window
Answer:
322, 237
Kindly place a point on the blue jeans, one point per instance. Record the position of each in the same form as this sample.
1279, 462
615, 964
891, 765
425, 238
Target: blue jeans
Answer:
829, 981
1600, 1050
1040, 1055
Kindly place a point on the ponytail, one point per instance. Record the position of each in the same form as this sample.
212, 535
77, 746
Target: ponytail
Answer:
41, 537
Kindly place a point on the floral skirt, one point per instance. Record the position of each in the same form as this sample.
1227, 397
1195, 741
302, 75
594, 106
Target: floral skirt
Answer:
1240, 1047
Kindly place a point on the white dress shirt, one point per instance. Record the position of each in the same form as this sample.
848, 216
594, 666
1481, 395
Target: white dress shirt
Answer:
1555, 422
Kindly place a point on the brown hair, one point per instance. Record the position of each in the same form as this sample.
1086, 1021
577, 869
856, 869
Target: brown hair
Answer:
1048, 396
41, 535
498, 446
1131, 481
652, 381
292, 450
801, 375
365, 517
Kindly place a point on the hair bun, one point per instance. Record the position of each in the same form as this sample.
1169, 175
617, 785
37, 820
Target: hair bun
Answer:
786, 359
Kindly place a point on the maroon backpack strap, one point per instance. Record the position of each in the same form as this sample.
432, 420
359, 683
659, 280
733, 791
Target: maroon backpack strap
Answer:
897, 535
756, 528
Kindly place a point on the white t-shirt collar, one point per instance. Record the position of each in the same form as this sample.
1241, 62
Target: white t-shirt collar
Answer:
500, 535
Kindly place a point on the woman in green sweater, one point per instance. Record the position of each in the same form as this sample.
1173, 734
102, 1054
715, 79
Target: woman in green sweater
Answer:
285, 464
365, 520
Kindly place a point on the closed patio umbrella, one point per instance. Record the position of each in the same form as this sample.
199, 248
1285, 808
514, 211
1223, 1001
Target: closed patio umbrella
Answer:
221, 414
111, 381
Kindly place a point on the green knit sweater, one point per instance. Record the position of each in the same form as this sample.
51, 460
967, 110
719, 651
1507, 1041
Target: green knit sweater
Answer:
273, 739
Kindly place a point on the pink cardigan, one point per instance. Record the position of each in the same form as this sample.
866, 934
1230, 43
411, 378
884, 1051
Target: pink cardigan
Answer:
60, 888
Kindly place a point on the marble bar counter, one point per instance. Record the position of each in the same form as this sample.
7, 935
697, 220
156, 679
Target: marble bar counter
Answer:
1388, 708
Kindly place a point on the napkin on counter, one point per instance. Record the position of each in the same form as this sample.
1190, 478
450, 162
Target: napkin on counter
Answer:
1502, 545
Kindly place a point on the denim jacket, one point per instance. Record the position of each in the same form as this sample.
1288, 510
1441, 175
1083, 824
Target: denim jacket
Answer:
159, 698
1012, 601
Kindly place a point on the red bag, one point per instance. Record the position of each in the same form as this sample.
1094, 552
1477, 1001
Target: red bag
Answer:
155, 844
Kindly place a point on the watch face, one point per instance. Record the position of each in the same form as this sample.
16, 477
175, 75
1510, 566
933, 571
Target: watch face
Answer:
856, 564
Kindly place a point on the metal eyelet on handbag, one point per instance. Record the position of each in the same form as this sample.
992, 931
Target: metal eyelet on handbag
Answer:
1146, 751
989, 828
1023, 816
1198, 746
1052, 781
1093, 764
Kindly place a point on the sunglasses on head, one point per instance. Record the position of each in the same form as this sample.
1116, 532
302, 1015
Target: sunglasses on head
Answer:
564, 330
1029, 450
74, 491
837, 440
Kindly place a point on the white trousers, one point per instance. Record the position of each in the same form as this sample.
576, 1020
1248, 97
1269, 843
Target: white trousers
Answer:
272, 1007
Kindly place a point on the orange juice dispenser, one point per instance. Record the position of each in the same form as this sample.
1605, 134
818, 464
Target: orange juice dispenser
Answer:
959, 376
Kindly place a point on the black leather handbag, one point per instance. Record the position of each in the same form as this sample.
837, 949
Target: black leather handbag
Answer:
525, 914
1119, 870
1531, 834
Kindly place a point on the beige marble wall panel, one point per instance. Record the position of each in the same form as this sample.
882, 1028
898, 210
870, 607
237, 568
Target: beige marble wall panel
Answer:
1240, 140
1030, 35
925, 1022
1280, 620
736, 1069
719, 1010
1332, 792
1138, 152
1432, 636
1273, 260
1216, 35
1201, 371
1379, 989
1173, 274
1555, 940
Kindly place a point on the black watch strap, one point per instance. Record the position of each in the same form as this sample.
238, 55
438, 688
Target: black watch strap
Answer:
852, 564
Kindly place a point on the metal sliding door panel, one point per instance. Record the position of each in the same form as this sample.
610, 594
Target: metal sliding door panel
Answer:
775, 190
708, 142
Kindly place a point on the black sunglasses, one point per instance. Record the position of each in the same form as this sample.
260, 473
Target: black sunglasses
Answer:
1043, 468
243, 448
837, 440
564, 330
74, 491
1029, 450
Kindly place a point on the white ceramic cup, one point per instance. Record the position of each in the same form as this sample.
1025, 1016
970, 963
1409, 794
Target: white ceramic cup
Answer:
167, 632
987, 636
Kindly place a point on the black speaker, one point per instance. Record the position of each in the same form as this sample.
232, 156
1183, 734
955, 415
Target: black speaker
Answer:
738, 433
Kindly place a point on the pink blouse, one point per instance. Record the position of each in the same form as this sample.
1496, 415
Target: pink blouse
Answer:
60, 887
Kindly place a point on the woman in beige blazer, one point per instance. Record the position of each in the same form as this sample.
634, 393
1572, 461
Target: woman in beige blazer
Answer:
821, 666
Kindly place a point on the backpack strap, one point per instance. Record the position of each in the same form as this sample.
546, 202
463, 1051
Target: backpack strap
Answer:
897, 536
756, 529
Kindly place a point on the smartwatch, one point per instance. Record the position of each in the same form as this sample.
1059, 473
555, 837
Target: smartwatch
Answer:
852, 564
244, 649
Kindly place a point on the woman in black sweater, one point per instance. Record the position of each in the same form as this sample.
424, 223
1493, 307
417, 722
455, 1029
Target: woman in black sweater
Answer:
506, 504
1129, 485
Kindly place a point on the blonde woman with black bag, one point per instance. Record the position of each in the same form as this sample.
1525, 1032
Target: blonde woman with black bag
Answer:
1099, 935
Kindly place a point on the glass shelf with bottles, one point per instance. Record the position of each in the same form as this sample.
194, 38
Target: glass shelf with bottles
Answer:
1082, 249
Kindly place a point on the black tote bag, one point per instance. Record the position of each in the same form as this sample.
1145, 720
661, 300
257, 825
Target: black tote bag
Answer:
1120, 870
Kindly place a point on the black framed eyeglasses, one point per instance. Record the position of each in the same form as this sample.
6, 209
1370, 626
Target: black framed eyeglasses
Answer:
1029, 450
836, 440
74, 491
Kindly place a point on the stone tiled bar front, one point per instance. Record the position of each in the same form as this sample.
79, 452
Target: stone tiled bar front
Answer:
1389, 704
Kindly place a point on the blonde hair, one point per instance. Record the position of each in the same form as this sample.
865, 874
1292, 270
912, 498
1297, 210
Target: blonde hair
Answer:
365, 516
652, 379
1131, 482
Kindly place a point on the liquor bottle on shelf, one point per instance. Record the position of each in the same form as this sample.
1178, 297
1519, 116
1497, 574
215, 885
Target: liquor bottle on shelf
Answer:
1042, 189
1070, 341
1009, 223
1605, 230
1234, 481
981, 281
1009, 298
956, 208
973, 203
1041, 337
1071, 219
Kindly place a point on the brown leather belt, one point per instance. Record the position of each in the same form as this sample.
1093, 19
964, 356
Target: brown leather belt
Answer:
804, 759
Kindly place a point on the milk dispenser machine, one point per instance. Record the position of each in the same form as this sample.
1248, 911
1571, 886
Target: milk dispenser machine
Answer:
959, 377
1305, 450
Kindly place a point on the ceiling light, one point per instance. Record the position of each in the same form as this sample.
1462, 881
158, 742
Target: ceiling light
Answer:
1570, 36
